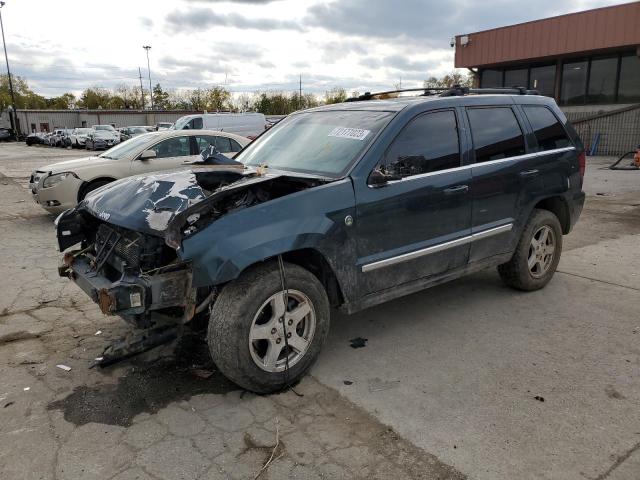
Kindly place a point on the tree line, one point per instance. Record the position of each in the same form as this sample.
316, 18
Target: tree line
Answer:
212, 99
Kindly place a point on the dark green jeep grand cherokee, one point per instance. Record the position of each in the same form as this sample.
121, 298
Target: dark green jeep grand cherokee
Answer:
342, 206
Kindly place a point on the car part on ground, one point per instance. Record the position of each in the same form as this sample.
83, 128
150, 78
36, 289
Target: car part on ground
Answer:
629, 161
354, 204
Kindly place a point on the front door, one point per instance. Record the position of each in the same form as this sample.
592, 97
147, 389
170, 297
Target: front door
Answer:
170, 153
415, 226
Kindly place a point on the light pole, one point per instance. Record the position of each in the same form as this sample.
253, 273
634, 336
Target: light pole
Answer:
147, 48
13, 119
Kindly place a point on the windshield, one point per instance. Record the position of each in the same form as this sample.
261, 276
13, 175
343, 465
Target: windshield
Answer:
103, 134
127, 148
104, 127
82, 130
180, 123
322, 143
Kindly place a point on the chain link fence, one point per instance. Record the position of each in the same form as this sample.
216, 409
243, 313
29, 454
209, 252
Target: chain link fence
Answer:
609, 133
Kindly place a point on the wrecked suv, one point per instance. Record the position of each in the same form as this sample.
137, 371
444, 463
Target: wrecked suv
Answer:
343, 206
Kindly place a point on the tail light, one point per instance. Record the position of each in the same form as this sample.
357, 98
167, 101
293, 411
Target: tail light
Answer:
582, 163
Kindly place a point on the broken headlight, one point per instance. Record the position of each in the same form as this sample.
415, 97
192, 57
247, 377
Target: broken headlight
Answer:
53, 180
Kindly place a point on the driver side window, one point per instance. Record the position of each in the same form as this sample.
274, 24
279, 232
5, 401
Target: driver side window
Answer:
173, 147
429, 143
195, 123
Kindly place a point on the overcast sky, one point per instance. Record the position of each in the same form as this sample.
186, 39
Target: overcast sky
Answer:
249, 45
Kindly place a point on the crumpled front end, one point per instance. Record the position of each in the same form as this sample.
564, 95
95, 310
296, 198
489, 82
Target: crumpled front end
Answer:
127, 273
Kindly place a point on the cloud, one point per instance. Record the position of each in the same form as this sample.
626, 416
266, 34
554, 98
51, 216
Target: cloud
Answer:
334, 51
145, 22
205, 19
253, 2
426, 23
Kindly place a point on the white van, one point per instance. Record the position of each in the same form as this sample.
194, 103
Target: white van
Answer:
248, 125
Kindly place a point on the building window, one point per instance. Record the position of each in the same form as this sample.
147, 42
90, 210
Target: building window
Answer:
84, 124
33, 127
491, 79
602, 80
574, 83
629, 89
543, 79
516, 78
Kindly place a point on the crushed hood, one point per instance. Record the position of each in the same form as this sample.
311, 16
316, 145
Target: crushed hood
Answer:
148, 203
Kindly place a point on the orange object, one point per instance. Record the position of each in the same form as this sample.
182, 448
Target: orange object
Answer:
636, 157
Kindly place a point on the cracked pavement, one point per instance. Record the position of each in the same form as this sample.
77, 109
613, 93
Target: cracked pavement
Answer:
443, 389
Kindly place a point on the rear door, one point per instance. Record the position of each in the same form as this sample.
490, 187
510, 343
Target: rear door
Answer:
415, 226
501, 163
225, 145
555, 150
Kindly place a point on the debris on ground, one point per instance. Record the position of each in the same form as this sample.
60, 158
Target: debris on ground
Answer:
8, 404
358, 342
201, 372
26, 389
347, 382
378, 385
99, 332
64, 367
539, 398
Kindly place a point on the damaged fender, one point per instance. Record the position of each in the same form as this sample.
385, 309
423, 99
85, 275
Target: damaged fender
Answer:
223, 249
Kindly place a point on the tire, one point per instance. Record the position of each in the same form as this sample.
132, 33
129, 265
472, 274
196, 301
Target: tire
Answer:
90, 187
235, 314
517, 272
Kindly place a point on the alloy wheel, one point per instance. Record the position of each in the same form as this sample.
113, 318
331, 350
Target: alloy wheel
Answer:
273, 323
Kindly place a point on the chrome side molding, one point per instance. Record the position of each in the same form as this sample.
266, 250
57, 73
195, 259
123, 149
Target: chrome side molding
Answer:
437, 248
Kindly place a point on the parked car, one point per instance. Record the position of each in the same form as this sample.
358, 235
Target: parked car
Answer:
78, 137
107, 128
62, 185
343, 206
101, 139
163, 125
248, 125
56, 138
129, 132
35, 138
6, 134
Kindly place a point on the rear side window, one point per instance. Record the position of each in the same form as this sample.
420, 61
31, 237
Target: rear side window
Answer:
547, 128
427, 144
496, 133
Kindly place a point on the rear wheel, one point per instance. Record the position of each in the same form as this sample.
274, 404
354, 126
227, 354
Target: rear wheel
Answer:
257, 341
537, 254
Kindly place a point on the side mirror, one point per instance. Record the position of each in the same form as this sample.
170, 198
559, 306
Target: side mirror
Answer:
147, 155
379, 178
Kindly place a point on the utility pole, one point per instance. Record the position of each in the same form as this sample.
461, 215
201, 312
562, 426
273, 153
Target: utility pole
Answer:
141, 89
147, 48
13, 115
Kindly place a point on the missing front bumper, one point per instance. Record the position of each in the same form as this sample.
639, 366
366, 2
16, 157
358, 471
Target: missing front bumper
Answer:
133, 296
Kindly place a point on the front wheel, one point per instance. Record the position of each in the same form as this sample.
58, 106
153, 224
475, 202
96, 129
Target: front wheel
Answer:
537, 254
258, 342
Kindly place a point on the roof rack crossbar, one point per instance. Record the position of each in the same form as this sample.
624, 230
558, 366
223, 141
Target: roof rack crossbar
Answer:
455, 90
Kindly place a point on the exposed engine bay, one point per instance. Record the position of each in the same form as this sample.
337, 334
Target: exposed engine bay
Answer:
129, 234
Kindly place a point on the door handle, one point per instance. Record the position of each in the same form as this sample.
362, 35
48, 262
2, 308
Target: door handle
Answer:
456, 189
529, 173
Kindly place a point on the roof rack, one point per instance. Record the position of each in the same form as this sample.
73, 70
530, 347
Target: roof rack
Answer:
455, 91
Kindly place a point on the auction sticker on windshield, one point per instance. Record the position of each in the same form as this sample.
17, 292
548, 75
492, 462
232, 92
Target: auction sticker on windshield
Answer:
352, 133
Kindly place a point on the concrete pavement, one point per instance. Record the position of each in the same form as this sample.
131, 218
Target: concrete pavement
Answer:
466, 379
